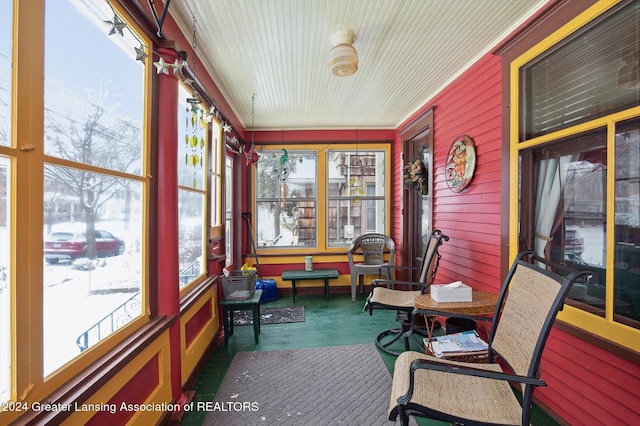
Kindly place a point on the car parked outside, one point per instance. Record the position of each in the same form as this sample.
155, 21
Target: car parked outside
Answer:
67, 246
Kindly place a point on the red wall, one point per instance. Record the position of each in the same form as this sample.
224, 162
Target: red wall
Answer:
586, 385
471, 106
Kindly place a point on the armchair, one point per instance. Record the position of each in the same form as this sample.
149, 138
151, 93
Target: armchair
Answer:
385, 295
372, 247
471, 393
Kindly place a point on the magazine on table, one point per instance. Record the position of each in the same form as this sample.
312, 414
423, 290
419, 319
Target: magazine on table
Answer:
463, 343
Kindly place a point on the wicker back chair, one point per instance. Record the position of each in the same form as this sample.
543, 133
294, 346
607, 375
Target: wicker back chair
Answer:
473, 393
372, 247
385, 295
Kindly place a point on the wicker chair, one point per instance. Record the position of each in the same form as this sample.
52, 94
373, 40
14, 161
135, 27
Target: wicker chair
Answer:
471, 393
372, 247
385, 295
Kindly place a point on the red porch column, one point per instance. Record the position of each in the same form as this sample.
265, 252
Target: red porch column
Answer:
167, 233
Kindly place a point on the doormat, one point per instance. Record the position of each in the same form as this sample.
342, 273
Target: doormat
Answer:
340, 385
275, 315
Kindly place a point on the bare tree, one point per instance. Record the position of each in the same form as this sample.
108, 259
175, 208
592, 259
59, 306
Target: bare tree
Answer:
95, 136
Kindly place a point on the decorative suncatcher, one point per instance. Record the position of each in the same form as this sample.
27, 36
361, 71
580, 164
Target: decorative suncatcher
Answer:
460, 164
195, 127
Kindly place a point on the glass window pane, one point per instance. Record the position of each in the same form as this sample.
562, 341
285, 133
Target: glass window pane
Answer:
5, 70
92, 259
192, 125
229, 211
286, 174
5, 275
217, 171
6, 14
592, 75
356, 194
291, 224
191, 235
94, 106
570, 207
627, 225
286, 203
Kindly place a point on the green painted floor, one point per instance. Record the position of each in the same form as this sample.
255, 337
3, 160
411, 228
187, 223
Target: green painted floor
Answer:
335, 322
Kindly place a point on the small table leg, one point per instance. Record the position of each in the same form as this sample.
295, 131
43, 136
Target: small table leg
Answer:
326, 288
293, 290
256, 321
225, 321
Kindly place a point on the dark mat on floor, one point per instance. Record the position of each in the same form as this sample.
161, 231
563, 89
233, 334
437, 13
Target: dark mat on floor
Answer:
346, 385
274, 315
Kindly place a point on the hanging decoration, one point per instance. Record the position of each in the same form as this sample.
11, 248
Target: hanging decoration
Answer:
460, 164
116, 25
176, 62
251, 154
167, 63
283, 174
415, 177
196, 125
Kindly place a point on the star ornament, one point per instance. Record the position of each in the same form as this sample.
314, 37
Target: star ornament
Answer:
116, 26
161, 66
226, 127
141, 55
177, 67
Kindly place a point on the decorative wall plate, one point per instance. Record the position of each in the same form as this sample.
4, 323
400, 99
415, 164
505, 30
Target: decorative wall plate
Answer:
460, 164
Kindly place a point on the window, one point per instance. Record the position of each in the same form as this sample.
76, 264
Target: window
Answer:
192, 157
217, 170
589, 76
286, 200
5, 200
579, 180
93, 189
626, 256
320, 198
228, 210
356, 182
73, 163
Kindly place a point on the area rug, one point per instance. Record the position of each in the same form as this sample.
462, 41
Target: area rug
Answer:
274, 315
341, 385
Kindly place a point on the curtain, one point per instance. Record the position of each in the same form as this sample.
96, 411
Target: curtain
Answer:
549, 201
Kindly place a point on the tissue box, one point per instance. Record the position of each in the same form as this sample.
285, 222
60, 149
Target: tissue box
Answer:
454, 292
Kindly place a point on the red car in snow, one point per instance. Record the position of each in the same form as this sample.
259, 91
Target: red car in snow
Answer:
67, 246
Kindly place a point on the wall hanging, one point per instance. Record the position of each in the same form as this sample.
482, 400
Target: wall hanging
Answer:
460, 164
415, 177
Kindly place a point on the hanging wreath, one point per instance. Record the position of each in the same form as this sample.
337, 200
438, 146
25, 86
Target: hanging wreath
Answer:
415, 177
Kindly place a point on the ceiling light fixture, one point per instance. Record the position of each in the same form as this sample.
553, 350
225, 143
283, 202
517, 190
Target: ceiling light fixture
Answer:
343, 58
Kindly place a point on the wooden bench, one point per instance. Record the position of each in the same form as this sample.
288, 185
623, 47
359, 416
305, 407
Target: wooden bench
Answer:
294, 275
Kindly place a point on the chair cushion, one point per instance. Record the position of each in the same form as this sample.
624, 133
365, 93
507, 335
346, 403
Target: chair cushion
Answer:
480, 399
393, 298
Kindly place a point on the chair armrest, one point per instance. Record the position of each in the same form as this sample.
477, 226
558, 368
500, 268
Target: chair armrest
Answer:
425, 364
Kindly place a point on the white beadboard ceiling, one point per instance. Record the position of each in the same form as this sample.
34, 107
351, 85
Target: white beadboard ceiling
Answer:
408, 51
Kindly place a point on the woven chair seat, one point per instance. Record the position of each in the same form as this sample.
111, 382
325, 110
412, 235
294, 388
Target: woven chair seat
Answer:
384, 295
394, 299
472, 393
493, 401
